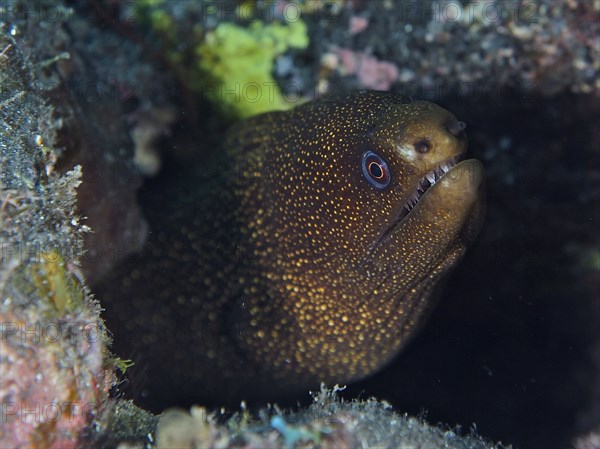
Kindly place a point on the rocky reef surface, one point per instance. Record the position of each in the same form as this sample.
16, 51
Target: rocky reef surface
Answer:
95, 97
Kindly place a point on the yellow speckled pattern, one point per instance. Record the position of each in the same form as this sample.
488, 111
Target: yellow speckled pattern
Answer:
289, 268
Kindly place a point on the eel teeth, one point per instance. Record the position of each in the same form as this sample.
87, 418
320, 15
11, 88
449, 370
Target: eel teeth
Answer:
424, 184
430, 179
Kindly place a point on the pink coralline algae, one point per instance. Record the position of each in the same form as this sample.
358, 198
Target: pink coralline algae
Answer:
357, 25
371, 72
53, 363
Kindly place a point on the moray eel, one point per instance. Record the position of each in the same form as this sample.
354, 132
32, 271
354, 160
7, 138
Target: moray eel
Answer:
307, 250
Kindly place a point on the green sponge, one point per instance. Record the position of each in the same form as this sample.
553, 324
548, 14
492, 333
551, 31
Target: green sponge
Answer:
237, 63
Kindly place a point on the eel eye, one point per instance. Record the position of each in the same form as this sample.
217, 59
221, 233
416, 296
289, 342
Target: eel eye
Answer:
376, 170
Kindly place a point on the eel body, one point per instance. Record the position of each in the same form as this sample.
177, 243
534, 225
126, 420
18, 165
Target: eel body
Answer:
307, 251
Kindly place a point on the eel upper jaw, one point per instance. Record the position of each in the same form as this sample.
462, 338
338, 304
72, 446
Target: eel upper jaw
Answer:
425, 183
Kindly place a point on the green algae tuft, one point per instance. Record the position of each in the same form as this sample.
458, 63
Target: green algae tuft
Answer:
237, 63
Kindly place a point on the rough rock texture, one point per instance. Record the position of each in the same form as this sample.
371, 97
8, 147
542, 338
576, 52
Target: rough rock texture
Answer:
442, 47
53, 376
62, 131
111, 105
327, 423
589, 441
427, 49
514, 345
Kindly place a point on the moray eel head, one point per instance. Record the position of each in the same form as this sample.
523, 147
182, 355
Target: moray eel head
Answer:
357, 208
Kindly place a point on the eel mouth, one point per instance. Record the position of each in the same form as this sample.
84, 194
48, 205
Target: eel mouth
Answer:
425, 183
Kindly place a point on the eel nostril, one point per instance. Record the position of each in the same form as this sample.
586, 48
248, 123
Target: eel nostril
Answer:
455, 128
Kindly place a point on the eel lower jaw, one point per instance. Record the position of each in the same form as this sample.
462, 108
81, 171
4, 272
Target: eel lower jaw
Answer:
425, 183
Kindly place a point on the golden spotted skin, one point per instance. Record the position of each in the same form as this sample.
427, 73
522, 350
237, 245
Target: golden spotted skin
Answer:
284, 268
